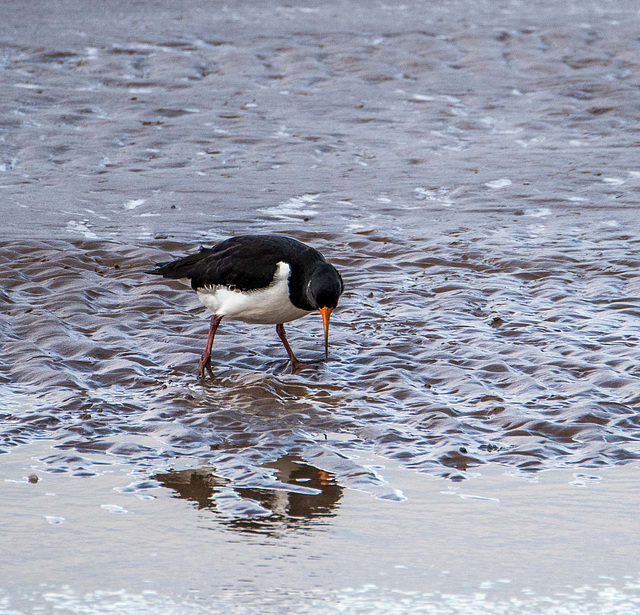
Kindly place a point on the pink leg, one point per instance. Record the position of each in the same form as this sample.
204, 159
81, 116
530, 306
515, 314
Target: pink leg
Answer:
295, 364
205, 360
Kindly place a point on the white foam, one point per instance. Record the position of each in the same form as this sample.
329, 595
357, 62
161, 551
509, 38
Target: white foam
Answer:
499, 183
538, 213
303, 206
114, 508
82, 227
134, 203
442, 196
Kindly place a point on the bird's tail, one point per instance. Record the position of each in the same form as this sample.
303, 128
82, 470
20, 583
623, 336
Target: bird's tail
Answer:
180, 268
159, 268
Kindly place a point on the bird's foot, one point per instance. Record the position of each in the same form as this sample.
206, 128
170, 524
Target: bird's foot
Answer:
205, 364
298, 365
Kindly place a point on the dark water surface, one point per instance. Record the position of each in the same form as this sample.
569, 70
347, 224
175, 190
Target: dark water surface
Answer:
470, 167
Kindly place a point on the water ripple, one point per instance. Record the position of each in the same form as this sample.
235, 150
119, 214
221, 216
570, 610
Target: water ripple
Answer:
445, 355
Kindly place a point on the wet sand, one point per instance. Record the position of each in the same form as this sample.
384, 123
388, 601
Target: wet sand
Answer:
472, 446
496, 543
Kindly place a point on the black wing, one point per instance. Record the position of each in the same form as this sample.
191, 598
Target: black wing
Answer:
247, 262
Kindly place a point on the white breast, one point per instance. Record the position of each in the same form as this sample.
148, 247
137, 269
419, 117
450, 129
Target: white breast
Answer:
268, 306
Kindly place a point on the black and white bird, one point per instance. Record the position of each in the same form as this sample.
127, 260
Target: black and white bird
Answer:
259, 279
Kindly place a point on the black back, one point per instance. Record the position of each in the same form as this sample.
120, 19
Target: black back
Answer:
249, 262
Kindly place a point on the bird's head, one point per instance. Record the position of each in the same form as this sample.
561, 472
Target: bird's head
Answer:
323, 293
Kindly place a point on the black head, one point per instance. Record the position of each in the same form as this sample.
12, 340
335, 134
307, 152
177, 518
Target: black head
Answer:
323, 293
325, 287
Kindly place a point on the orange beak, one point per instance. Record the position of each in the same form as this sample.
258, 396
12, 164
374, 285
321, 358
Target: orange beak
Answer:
326, 316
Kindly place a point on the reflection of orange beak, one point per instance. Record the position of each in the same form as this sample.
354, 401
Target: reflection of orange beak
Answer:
326, 315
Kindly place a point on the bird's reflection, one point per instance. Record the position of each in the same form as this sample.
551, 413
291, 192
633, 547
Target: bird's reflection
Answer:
300, 494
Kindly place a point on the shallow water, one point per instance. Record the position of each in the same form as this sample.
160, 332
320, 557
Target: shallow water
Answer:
561, 542
447, 354
470, 169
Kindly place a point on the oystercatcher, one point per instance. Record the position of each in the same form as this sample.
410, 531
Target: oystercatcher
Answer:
259, 279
